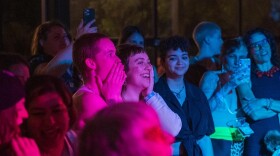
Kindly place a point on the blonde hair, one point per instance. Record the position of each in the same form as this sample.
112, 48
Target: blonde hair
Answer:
202, 30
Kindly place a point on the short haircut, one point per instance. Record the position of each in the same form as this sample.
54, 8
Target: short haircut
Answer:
173, 43
86, 47
202, 30
127, 32
124, 51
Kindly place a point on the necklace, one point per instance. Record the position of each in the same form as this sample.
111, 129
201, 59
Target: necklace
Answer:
268, 73
178, 94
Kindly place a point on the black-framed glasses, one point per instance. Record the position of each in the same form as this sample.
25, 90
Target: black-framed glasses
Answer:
257, 46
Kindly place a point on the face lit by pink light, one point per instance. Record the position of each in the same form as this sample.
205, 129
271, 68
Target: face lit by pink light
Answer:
139, 67
48, 120
105, 58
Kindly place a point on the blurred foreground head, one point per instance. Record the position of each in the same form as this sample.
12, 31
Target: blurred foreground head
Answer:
125, 129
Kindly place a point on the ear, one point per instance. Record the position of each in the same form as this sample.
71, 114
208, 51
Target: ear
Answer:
90, 63
207, 39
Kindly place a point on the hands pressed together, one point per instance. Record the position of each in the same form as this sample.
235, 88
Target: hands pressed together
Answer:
111, 87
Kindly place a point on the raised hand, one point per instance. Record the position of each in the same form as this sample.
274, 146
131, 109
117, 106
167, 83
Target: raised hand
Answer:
25, 147
242, 75
81, 30
151, 86
111, 87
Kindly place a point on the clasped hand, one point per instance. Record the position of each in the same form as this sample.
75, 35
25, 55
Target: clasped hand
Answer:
111, 87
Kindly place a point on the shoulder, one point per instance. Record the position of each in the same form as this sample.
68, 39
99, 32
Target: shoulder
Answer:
211, 75
209, 78
85, 99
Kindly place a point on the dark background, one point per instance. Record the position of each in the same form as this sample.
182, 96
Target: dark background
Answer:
156, 18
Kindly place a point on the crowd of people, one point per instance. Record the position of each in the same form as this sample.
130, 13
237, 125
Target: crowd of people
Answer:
88, 96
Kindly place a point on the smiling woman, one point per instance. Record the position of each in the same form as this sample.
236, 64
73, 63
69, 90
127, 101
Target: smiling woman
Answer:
139, 86
260, 100
191, 106
49, 104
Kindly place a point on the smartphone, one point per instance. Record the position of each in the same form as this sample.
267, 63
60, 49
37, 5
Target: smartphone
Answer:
246, 64
88, 15
246, 131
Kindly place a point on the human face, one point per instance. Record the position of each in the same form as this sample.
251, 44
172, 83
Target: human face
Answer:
105, 58
216, 42
21, 111
176, 63
260, 48
139, 67
137, 39
56, 41
21, 71
232, 60
48, 120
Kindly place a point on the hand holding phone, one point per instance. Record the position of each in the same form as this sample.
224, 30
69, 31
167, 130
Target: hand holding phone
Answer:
245, 66
88, 16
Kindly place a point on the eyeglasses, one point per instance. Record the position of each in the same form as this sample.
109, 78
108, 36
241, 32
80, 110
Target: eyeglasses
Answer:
257, 46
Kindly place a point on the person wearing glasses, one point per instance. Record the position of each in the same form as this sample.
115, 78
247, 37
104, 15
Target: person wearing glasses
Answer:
261, 99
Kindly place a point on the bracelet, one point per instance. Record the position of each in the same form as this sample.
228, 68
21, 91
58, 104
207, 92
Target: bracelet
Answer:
149, 96
268, 105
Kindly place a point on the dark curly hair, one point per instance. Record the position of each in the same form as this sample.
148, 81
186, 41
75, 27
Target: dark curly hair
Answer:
173, 43
275, 60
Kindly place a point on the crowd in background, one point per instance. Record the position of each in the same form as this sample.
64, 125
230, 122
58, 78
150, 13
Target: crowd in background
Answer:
84, 95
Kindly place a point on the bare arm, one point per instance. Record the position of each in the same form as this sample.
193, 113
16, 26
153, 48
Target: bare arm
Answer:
253, 107
60, 63
63, 60
86, 106
205, 145
208, 85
